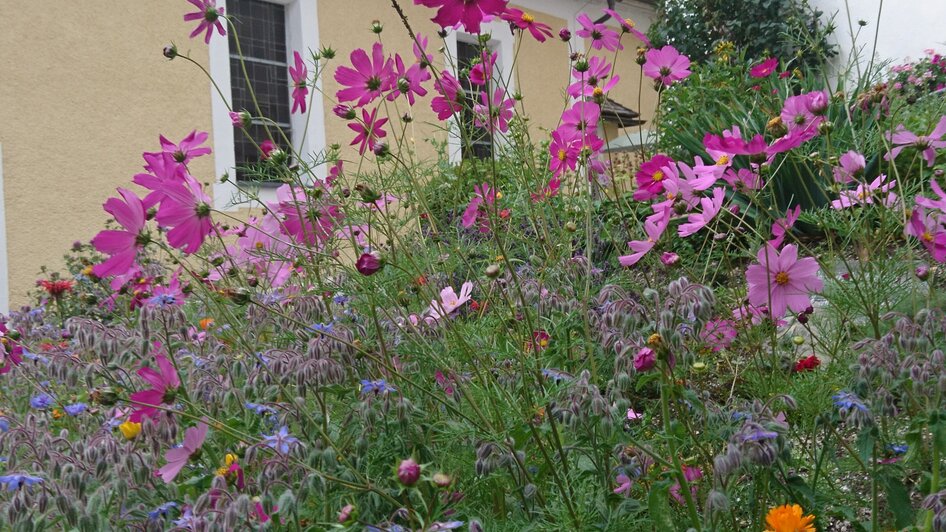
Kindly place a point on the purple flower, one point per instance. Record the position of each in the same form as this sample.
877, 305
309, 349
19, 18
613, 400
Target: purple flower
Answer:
41, 401
17, 480
280, 441
75, 409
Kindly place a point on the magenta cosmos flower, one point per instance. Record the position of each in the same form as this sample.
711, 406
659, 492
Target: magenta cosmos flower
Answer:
765, 68
188, 149
209, 16
650, 177
493, 113
469, 13
299, 73
564, 150
732, 142
782, 280
178, 457
929, 230
450, 100
927, 144
591, 80
408, 81
164, 383
122, 245
369, 79
525, 21
368, 130
601, 36
782, 226
666, 65
851, 167
185, 209
628, 25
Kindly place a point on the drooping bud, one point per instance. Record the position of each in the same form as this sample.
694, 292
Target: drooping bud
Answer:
408, 472
565, 34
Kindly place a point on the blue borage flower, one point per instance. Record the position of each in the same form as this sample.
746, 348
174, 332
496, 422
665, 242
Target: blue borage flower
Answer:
17, 480
260, 409
379, 387
41, 401
556, 375
848, 401
75, 409
898, 449
321, 328
161, 511
280, 441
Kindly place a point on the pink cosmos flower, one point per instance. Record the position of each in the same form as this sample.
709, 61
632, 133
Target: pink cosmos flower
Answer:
564, 150
368, 130
601, 36
307, 222
469, 13
782, 280
795, 138
927, 144
691, 474
266, 148
424, 59
666, 65
550, 191
122, 245
582, 117
483, 70
864, 194
450, 100
718, 334
742, 179
633, 415
804, 111
185, 209
369, 79
188, 149
939, 204
654, 227
765, 68
407, 81
588, 81
164, 383
650, 177
450, 301
852, 167
711, 207
732, 142
493, 113
645, 360
624, 485
782, 226
178, 457
525, 21
628, 25
209, 16
928, 228
482, 195
299, 74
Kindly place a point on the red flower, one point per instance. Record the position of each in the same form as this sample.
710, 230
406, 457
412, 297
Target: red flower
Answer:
368, 264
55, 288
808, 363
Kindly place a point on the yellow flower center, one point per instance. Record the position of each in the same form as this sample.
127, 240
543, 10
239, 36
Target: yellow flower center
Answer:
221, 471
527, 18
781, 278
259, 245
927, 237
597, 92
654, 340
658, 175
629, 23
723, 160
562, 154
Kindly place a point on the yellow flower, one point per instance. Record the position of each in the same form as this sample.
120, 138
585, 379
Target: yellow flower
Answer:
130, 429
57, 413
655, 340
229, 459
789, 518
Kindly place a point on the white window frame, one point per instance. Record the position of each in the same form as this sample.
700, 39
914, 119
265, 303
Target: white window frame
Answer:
501, 41
302, 35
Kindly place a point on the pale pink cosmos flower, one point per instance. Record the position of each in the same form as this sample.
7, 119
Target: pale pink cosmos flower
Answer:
178, 457
209, 16
370, 78
765, 68
666, 65
711, 207
742, 179
164, 382
782, 281
587, 82
927, 144
718, 334
654, 227
928, 228
493, 113
299, 74
122, 245
468, 13
450, 100
632, 415
450, 301
629, 26
782, 226
185, 209
601, 36
369, 130
939, 204
851, 167
525, 21
864, 194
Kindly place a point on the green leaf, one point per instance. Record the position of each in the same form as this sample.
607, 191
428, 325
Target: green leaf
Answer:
658, 505
898, 500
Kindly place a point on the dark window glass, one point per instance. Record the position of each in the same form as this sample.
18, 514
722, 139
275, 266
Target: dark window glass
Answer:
261, 28
476, 141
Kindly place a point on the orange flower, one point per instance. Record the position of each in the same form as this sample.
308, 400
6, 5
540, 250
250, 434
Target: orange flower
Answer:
789, 518
206, 323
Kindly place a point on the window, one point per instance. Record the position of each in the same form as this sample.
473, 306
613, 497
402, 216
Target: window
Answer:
476, 141
261, 28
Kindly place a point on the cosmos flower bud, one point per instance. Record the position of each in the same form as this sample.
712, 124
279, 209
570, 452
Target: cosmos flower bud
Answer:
565, 34
170, 51
368, 264
442, 480
376, 26
669, 258
408, 472
346, 513
492, 271
380, 149
327, 52
922, 272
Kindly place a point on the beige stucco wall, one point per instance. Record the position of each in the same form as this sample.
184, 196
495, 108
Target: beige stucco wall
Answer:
84, 90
